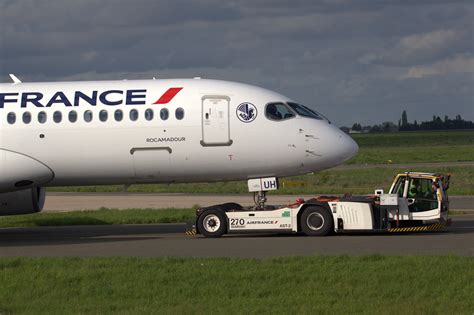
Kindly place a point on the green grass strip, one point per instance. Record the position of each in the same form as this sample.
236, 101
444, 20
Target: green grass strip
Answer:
299, 285
99, 217
409, 147
355, 181
415, 139
422, 154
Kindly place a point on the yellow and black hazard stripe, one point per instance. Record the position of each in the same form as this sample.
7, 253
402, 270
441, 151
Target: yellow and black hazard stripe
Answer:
431, 227
191, 232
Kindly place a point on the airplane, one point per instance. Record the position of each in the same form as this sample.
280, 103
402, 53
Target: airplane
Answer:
154, 131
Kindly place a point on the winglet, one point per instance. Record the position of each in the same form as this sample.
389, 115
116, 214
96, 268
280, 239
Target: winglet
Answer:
15, 79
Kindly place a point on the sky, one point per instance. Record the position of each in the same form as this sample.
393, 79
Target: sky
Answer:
359, 61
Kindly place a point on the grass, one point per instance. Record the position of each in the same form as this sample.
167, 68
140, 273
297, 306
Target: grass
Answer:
408, 147
99, 217
336, 181
389, 154
415, 139
460, 212
365, 181
297, 285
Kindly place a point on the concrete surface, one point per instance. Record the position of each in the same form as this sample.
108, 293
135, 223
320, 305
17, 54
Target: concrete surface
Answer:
90, 201
170, 240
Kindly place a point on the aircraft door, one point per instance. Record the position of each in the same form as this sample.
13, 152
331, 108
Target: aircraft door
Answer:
152, 164
215, 121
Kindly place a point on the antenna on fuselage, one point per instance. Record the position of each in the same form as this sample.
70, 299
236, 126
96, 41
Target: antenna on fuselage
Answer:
14, 79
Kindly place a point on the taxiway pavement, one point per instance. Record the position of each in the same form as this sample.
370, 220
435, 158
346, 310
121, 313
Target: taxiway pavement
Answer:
90, 201
169, 240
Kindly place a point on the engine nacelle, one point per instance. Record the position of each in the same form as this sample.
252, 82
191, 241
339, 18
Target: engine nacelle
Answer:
23, 201
19, 171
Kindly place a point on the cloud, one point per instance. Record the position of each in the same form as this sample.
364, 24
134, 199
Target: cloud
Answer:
426, 47
458, 64
51, 15
348, 59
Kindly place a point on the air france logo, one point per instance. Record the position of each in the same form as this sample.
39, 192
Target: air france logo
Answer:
92, 98
246, 112
168, 96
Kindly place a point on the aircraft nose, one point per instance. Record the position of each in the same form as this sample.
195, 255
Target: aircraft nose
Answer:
330, 147
341, 146
348, 148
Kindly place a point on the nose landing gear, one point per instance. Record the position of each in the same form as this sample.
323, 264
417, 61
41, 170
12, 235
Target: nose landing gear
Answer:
260, 198
260, 187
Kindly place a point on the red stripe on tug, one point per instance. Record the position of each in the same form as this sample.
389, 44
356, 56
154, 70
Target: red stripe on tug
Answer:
168, 96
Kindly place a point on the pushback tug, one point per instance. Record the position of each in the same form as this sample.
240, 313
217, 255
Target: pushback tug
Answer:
415, 202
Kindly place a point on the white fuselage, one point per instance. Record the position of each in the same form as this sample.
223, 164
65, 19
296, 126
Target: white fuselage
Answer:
209, 143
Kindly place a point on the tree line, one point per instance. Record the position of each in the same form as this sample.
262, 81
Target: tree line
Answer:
404, 125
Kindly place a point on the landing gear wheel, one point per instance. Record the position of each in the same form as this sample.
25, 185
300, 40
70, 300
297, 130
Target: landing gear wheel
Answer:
212, 223
316, 221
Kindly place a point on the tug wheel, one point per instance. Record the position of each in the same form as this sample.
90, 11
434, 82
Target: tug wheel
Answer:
212, 223
316, 221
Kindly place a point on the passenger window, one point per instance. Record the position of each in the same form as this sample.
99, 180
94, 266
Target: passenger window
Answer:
278, 111
73, 116
179, 113
118, 115
164, 114
11, 118
42, 117
57, 117
149, 114
133, 115
88, 116
26, 117
103, 115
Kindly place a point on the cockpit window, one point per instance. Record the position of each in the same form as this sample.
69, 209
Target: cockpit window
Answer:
305, 111
278, 111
